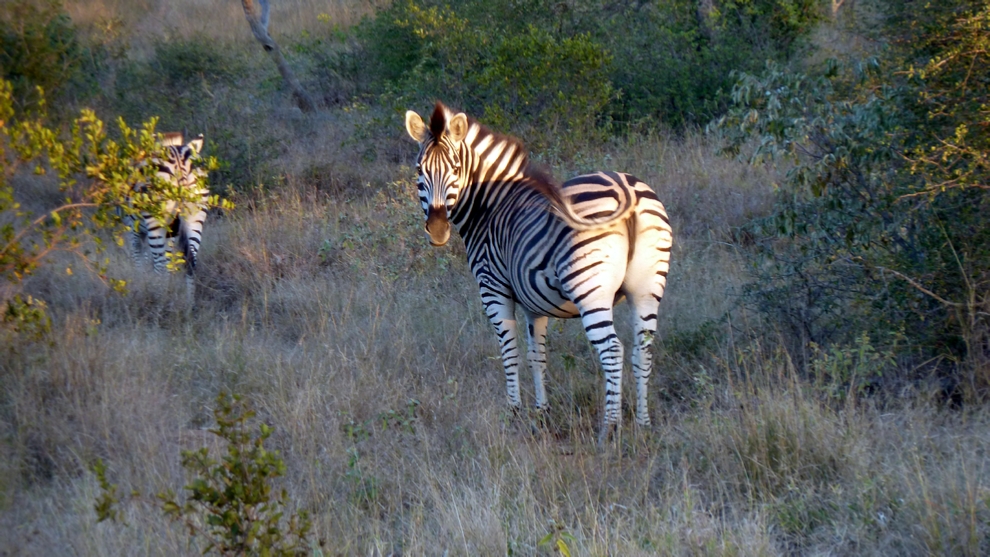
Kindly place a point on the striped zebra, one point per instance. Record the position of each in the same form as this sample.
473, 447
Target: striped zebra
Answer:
185, 219
573, 250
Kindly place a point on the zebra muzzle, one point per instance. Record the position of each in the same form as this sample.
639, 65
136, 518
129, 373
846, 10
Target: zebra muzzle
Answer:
437, 226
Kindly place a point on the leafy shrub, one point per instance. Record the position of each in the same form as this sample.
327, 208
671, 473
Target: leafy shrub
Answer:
545, 69
39, 47
95, 177
881, 224
175, 83
231, 503
556, 87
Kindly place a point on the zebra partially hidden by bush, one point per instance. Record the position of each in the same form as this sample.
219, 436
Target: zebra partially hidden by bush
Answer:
569, 250
184, 220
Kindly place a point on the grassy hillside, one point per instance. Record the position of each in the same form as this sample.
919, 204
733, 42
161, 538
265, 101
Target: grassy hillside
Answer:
319, 300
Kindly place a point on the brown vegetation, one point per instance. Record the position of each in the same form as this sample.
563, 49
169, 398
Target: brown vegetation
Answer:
320, 301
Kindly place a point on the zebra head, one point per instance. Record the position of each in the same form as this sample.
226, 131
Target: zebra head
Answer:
438, 166
179, 164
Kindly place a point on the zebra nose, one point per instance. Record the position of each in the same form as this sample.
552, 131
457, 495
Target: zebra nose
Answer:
437, 226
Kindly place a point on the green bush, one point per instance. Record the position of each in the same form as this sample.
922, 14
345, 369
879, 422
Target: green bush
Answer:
231, 503
95, 176
39, 47
555, 70
881, 225
527, 80
176, 83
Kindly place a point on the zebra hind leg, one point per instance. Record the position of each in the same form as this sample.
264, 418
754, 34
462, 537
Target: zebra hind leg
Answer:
190, 233
156, 242
501, 314
600, 329
536, 334
644, 329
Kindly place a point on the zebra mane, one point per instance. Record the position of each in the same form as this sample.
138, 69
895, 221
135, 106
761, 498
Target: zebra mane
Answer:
537, 176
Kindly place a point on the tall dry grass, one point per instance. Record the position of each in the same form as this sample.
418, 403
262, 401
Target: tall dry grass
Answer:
319, 300
370, 355
223, 20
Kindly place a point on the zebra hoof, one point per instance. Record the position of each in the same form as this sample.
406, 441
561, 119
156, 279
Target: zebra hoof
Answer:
609, 432
539, 421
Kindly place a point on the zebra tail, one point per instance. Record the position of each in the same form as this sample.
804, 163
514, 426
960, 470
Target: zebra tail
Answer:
541, 181
565, 209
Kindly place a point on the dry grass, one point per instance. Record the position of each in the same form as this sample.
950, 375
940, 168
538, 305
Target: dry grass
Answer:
371, 356
147, 20
319, 300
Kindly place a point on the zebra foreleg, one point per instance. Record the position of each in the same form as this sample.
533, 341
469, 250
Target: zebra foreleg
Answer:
501, 314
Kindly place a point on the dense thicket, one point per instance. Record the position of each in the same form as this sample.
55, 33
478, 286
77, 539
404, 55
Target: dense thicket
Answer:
580, 65
881, 225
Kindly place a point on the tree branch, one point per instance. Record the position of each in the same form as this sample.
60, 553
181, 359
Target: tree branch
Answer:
256, 12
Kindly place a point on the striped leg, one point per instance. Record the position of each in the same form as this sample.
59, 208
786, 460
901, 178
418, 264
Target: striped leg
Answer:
136, 237
501, 312
536, 327
156, 242
601, 333
190, 236
644, 328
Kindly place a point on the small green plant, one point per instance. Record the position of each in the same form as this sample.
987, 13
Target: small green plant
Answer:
231, 502
843, 372
106, 502
26, 316
558, 539
365, 487
400, 420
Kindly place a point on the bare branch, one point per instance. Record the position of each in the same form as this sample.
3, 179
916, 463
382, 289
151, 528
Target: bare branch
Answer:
257, 12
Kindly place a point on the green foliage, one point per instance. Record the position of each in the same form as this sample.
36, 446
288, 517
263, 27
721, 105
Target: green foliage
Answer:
545, 69
95, 176
107, 500
232, 503
880, 225
558, 539
177, 82
510, 76
39, 47
844, 372
26, 317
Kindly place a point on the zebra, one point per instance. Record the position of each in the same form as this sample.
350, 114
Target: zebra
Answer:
572, 250
185, 219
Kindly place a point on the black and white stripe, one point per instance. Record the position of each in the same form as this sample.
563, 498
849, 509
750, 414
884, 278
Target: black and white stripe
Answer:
573, 250
185, 220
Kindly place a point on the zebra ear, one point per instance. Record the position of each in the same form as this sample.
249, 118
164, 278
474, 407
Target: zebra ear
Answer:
197, 144
415, 126
457, 127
